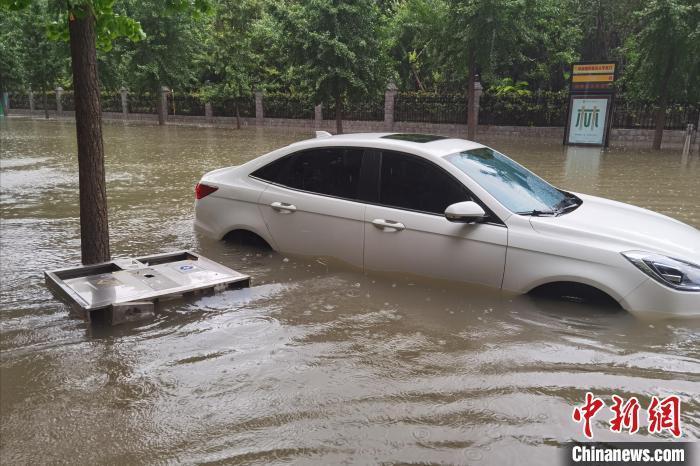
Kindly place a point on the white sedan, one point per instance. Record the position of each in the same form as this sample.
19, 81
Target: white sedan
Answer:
457, 210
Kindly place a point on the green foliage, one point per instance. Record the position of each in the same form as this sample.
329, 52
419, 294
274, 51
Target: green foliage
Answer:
109, 25
415, 31
232, 58
338, 46
482, 31
12, 53
664, 51
603, 26
541, 108
170, 53
506, 86
30, 59
324, 48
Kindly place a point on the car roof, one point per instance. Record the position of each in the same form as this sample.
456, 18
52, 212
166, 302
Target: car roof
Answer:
437, 146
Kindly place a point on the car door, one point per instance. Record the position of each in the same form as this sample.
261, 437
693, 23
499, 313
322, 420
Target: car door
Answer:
406, 230
311, 206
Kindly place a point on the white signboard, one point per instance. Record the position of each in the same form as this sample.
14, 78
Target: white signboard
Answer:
587, 125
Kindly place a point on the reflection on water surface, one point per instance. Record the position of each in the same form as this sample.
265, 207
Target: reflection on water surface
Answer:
315, 363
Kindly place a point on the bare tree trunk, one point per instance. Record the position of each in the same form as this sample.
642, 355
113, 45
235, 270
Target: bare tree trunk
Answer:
46, 101
44, 90
415, 74
162, 105
660, 117
471, 121
338, 114
659, 123
238, 116
94, 228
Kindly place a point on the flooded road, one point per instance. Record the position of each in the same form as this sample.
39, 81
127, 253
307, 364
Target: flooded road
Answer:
314, 364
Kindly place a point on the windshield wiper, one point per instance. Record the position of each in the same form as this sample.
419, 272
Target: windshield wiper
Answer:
570, 203
538, 213
567, 207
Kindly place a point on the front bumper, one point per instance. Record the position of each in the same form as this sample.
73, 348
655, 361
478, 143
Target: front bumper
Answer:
652, 299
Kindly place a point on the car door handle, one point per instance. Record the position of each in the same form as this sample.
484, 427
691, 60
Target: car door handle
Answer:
388, 225
283, 207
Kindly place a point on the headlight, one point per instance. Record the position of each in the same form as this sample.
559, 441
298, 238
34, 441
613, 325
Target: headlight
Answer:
673, 273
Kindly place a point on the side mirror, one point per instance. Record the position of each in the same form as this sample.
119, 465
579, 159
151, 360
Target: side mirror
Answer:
464, 212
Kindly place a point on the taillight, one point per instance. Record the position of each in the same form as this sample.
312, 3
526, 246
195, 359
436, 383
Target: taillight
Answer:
203, 190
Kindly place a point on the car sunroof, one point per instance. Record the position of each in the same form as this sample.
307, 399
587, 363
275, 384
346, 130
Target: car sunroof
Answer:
411, 137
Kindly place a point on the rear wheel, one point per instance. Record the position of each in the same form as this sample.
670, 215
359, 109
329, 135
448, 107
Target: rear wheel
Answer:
247, 238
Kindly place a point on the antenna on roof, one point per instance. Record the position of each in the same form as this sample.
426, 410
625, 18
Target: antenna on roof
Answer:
323, 134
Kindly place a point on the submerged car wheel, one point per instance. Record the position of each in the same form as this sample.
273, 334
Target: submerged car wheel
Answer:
575, 292
247, 238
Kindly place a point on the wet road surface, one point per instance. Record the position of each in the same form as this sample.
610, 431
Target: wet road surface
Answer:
315, 363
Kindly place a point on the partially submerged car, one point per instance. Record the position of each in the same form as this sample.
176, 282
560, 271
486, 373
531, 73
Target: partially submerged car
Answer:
453, 209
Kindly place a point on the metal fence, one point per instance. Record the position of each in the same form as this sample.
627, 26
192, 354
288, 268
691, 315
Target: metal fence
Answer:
362, 110
67, 101
50, 101
542, 108
187, 104
111, 102
431, 108
288, 106
142, 103
642, 115
226, 107
539, 108
19, 100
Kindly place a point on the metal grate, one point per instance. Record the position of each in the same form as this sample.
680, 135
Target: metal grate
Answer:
227, 106
360, 110
287, 106
541, 108
50, 101
431, 108
187, 104
67, 101
642, 115
142, 103
19, 100
111, 102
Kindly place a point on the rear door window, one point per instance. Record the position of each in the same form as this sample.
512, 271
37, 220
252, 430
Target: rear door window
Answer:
333, 171
409, 182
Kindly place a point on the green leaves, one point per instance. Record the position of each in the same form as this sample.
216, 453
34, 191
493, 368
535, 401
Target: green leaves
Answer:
664, 52
352, 47
339, 46
109, 26
14, 5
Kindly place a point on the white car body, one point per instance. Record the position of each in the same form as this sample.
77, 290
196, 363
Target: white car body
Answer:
516, 253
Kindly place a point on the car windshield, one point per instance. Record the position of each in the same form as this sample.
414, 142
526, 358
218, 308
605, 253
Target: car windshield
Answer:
513, 185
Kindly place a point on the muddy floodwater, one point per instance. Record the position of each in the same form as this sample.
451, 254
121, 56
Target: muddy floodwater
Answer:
314, 363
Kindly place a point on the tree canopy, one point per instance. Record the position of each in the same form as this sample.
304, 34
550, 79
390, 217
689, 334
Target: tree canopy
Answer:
338, 48
323, 48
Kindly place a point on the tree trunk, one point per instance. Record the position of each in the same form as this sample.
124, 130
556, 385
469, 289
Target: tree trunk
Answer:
415, 74
162, 105
46, 101
659, 123
338, 114
94, 228
471, 121
660, 117
238, 115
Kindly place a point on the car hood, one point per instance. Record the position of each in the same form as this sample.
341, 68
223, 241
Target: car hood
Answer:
625, 227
